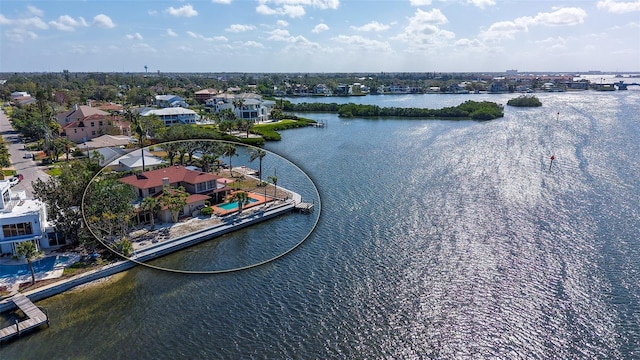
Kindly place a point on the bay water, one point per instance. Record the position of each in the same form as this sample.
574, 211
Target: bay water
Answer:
436, 239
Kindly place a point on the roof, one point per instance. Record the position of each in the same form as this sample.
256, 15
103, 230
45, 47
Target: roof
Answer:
175, 174
79, 112
167, 97
169, 111
206, 92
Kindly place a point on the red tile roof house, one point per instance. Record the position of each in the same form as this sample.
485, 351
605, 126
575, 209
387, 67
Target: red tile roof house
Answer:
83, 123
200, 185
93, 126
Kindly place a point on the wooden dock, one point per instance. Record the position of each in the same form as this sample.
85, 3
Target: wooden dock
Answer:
35, 318
304, 207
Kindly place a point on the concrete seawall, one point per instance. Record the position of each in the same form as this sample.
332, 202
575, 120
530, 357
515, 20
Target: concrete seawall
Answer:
158, 250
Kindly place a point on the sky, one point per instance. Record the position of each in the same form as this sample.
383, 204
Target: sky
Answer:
319, 36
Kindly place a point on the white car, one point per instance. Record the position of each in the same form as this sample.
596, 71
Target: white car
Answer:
14, 181
28, 156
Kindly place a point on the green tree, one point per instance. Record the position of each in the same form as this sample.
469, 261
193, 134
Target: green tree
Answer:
63, 196
230, 151
150, 204
30, 252
242, 198
274, 180
257, 153
108, 207
174, 200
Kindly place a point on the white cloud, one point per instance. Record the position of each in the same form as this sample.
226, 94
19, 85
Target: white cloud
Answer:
253, 44
171, 33
363, 43
508, 29
320, 28
279, 35
152, 12
20, 35
135, 36
294, 43
372, 26
555, 43
144, 48
240, 28
184, 11
563, 16
202, 37
226, 2
481, 3
423, 27
282, 23
470, 44
35, 11
420, 2
293, 8
103, 21
67, 23
291, 11
616, 7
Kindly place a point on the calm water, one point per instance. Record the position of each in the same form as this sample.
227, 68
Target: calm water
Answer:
437, 239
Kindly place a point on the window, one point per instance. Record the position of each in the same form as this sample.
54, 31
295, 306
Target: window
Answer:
75, 131
93, 133
200, 187
100, 123
20, 229
211, 184
93, 124
152, 191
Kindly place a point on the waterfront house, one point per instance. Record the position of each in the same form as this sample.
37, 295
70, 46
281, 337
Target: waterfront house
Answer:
200, 186
23, 220
245, 106
173, 115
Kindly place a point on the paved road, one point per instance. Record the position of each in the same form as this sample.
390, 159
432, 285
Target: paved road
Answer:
27, 167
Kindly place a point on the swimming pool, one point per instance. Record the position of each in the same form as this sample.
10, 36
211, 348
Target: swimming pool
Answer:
233, 205
42, 265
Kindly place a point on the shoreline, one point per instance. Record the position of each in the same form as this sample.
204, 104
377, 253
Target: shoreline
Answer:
154, 251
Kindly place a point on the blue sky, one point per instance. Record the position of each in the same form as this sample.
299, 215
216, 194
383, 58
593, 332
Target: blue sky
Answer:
319, 35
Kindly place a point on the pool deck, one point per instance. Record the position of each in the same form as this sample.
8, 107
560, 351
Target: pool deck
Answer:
218, 211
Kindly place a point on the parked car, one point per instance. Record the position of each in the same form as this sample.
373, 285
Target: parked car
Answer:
28, 156
14, 181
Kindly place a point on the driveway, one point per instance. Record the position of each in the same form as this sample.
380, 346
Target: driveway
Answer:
27, 167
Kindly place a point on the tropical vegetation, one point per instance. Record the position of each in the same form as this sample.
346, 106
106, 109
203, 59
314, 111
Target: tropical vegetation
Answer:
483, 110
525, 101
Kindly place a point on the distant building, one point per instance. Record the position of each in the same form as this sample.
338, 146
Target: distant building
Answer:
83, 123
167, 101
245, 106
23, 220
173, 115
202, 96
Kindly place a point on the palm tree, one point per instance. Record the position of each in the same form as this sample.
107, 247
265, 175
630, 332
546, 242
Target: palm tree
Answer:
30, 252
230, 150
138, 128
242, 198
257, 153
150, 204
274, 180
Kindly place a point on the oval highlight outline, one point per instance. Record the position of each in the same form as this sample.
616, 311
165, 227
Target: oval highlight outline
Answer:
205, 272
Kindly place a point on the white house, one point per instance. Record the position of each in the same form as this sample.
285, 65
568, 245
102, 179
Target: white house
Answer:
245, 106
22, 220
174, 115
